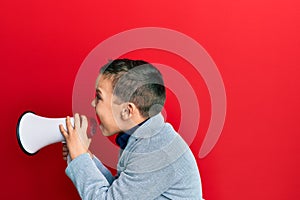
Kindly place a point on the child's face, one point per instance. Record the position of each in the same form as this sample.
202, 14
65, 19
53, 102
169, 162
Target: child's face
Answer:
107, 111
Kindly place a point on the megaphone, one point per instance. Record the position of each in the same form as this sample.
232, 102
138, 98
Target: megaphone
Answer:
35, 132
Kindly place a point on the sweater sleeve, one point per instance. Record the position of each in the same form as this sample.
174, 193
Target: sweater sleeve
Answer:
86, 177
92, 184
109, 177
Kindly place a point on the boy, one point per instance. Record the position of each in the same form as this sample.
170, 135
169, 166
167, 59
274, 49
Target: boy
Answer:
154, 161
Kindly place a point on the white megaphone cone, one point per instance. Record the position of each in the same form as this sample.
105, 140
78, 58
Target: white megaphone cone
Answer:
35, 132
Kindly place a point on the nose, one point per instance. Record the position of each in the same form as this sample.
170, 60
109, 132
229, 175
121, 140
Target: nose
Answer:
93, 103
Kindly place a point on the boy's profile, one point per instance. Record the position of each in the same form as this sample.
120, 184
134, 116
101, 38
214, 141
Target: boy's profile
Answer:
154, 161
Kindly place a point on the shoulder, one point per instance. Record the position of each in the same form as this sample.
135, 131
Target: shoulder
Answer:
148, 154
153, 134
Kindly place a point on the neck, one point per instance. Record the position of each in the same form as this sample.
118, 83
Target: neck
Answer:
134, 121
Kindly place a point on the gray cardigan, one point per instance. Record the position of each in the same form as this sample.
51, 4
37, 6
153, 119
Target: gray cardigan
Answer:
156, 164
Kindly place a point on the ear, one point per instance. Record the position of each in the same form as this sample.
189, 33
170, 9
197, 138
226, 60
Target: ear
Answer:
128, 111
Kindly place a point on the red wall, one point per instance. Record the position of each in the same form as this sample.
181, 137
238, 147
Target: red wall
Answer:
255, 45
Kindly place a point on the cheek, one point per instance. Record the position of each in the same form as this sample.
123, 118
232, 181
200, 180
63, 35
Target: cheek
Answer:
97, 109
108, 125
103, 112
100, 112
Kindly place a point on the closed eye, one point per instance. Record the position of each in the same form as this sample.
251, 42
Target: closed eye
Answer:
98, 97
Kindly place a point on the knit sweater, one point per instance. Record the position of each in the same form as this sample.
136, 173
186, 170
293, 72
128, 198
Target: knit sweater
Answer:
156, 164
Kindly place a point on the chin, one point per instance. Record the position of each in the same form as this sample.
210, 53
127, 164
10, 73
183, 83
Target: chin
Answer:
105, 132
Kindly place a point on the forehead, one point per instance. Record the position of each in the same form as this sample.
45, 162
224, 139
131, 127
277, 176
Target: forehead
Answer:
104, 83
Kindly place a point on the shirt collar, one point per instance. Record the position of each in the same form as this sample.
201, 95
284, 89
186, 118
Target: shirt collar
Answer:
123, 137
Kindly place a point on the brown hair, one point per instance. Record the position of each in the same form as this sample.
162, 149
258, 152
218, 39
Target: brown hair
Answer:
138, 82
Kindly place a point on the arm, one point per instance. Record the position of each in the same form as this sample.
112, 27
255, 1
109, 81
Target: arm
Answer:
98, 163
109, 177
91, 184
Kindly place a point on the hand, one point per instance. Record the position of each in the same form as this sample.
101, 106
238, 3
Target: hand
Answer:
76, 138
65, 153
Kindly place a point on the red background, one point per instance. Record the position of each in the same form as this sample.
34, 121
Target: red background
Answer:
255, 45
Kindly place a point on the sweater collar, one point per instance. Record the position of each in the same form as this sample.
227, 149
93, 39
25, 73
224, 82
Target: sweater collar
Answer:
123, 137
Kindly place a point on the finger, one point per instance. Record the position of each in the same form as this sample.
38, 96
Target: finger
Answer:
84, 122
77, 121
63, 131
69, 125
65, 149
65, 157
65, 154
